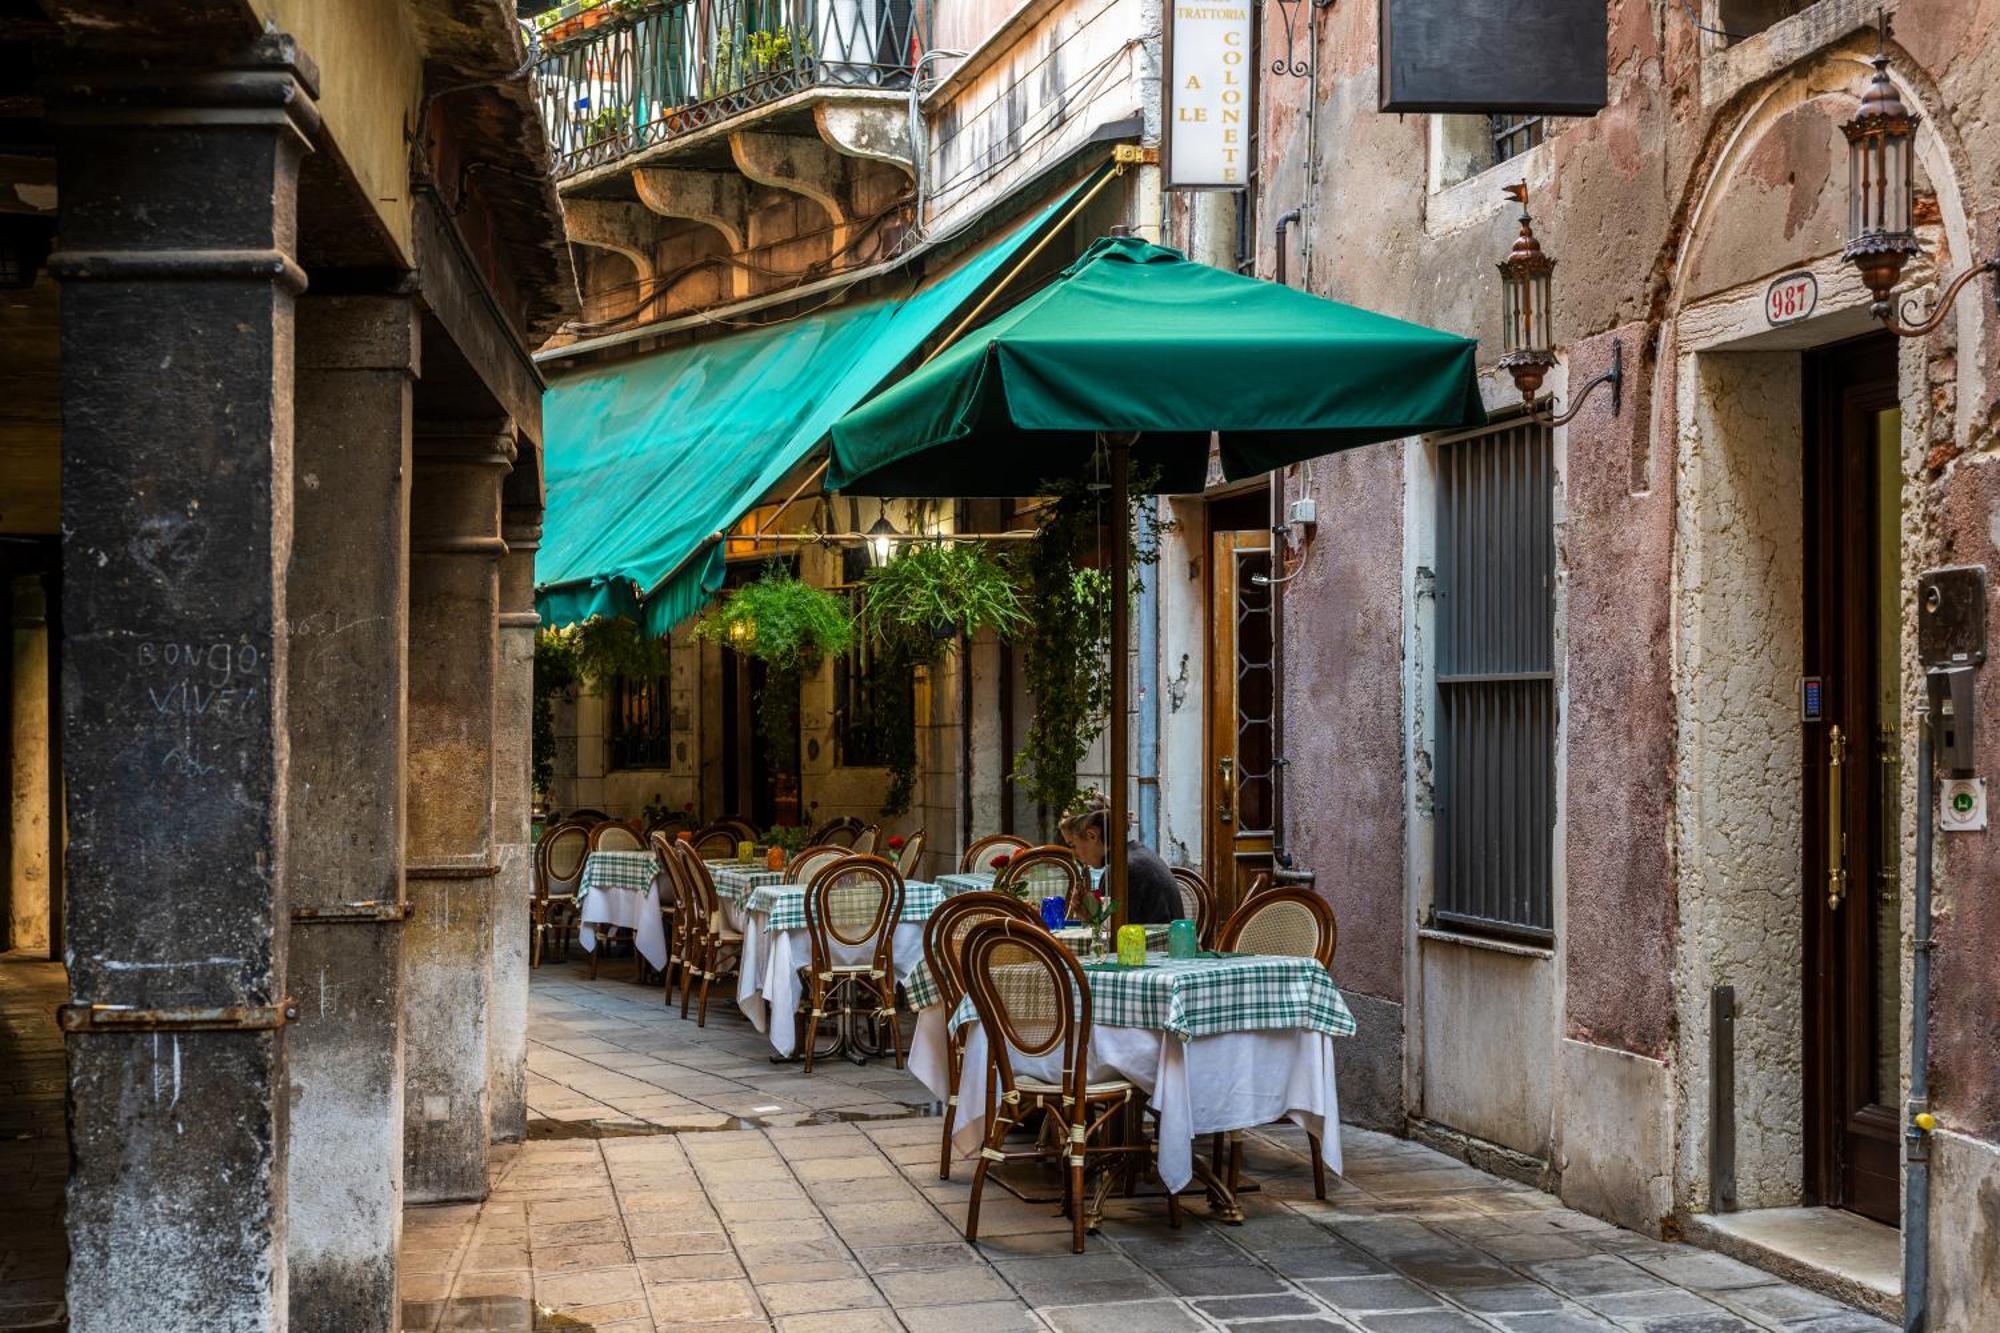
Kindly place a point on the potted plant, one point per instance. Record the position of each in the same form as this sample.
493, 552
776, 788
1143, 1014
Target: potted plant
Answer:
610, 125
789, 625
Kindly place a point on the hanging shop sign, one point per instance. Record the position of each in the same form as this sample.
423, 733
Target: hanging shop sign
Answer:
1208, 94
1525, 58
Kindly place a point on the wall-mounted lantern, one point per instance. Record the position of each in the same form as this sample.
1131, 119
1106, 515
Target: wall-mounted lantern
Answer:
882, 535
1881, 184
1527, 351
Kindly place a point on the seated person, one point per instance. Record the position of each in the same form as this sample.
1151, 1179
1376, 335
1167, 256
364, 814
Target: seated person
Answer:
1154, 897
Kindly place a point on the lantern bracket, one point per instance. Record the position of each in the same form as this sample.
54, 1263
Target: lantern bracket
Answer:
1914, 325
1615, 377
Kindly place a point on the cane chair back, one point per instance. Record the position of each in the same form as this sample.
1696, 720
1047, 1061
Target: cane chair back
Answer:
836, 832
616, 835
1287, 920
1197, 902
743, 829
698, 887
864, 841
946, 928
717, 842
850, 902
813, 860
1031, 997
1044, 872
912, 854
562, 852
980, 854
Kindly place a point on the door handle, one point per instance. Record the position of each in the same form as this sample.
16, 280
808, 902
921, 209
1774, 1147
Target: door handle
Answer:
1225, 806
1836, 828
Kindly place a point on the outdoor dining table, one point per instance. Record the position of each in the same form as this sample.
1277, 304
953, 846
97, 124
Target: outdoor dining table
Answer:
1216, 1042
619, 889
776, 946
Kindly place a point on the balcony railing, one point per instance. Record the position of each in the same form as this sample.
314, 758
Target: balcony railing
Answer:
645, 75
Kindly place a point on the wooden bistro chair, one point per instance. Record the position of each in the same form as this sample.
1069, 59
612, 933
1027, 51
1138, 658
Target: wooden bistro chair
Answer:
717, 842
836, 832
661, 843
616, 835
587, 818
853, 903
944, 942
912, 855
744, 830
864, 841
1197, 903
559, 859
718, 951
813, 860
1033, 1000
1286, 920
1043, 872
979, 856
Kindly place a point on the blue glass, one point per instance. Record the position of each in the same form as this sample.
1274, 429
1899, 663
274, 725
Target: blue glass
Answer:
1055, 910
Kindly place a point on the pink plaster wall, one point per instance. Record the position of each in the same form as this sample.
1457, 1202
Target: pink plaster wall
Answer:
1618, 551
1343, 712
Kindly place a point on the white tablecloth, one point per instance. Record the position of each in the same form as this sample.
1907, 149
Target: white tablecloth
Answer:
767, 984
638, 912
1232, 1080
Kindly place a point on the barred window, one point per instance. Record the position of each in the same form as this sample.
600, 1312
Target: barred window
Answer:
639, 730
1496, 683
1514, 135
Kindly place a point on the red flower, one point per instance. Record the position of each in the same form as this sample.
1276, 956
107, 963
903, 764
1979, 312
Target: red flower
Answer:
896, 842
1000, 862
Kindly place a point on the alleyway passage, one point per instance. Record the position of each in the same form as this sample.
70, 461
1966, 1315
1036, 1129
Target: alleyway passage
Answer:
675, 1178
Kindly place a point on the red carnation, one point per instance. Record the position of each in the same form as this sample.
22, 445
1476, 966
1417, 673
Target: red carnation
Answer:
895, 842
1000, 862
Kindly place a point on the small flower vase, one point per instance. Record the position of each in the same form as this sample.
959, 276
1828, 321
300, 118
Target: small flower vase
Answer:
1100, 938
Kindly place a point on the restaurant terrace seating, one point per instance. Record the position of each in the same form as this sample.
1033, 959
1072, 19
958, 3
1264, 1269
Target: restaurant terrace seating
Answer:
616, 835
559, 859
853, 903
1034, 1004
979, 856
838, 832
714, 950
864, 841
944, 939
810, 861
1197, 903
1044, 872
912, 853
717, 842
1293, 921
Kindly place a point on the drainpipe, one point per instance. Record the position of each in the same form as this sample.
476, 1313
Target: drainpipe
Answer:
1916, 1131
1286, 221
1149, 677
1281, 858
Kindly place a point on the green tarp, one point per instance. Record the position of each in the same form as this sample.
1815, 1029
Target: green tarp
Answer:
648, 460
1135, 337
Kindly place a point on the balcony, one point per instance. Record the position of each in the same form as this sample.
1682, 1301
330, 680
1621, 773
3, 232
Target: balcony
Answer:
625, 78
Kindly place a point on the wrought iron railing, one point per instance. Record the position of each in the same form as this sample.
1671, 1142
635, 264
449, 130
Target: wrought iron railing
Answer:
649, 73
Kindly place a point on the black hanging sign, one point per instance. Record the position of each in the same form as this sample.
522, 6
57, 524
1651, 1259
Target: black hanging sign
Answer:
1524, 57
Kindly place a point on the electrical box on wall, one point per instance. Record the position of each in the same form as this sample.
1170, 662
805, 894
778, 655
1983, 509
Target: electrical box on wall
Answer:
1951, 616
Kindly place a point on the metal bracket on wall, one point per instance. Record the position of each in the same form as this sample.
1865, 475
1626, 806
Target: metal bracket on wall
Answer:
84, 1018
372, 910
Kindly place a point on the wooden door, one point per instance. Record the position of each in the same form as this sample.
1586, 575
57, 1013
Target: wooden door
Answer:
1241, 740
1853, 744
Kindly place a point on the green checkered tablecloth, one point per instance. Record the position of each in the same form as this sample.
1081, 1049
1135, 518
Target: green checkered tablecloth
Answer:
922, 992
1200, 997
785, 904
616, 870
736, 880
968, 881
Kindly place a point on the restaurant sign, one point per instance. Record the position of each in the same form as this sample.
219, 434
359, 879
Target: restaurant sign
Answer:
1208, 94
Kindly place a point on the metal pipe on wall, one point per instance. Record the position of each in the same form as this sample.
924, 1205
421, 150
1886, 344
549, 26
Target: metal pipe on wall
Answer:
1149, 677
1916, 1135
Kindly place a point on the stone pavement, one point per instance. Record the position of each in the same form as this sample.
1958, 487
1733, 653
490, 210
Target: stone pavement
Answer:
675, 1178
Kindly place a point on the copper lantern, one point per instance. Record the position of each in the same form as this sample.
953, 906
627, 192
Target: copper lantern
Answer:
1526, 350
1881, 190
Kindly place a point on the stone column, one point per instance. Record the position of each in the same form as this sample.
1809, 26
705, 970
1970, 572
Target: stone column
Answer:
348, 606
513, 797
179, 186
455, 554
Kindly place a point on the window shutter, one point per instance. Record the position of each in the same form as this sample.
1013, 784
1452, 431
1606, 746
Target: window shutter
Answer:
1530, 57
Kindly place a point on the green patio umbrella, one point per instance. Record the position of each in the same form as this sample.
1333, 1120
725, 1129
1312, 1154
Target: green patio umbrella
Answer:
1137, 352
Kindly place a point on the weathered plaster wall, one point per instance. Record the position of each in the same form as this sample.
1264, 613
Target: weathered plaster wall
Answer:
1739, 601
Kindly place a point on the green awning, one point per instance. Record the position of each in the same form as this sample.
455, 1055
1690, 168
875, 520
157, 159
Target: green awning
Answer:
648, 460
1135, 337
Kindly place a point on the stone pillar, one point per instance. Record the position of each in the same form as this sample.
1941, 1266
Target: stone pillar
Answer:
455, 554
347, 601
179, 186
513, 797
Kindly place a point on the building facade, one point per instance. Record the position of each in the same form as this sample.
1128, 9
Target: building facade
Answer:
1574, 715
270, 484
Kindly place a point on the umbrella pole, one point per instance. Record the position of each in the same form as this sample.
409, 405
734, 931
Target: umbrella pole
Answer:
1121, 681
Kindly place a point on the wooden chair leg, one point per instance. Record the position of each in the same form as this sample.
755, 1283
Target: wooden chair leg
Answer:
954, 1060
996, 1134
535, 944
707, 979
1319, 1167
1077, 1206
697, 952
888, 999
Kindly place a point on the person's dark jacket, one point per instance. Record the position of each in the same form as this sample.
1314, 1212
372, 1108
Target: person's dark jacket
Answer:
1155, 894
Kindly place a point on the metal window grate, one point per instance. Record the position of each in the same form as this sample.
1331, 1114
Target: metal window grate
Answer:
641, 724
1512, 136
1496, 682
